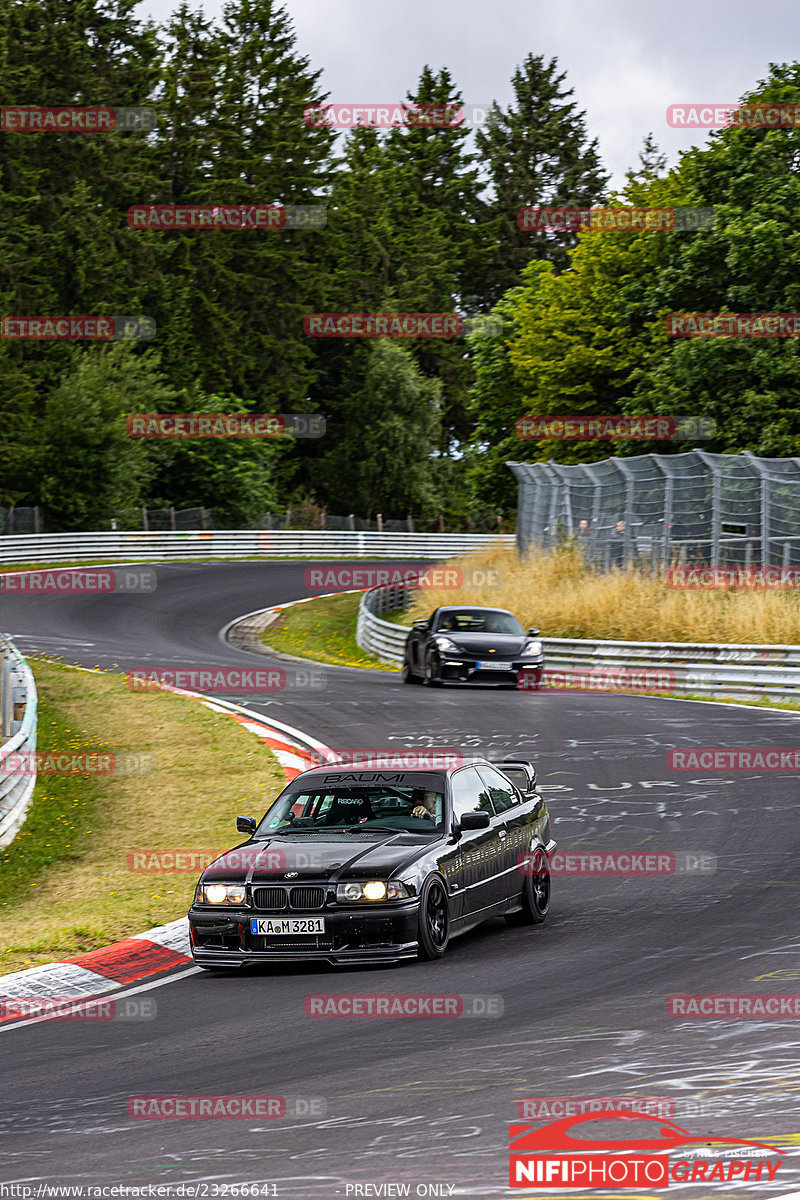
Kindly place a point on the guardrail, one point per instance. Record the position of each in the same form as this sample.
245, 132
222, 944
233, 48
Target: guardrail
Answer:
716, 669
239, 543
18, 703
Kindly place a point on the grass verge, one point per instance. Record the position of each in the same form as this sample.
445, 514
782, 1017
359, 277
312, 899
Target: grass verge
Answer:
65, 882
323, 630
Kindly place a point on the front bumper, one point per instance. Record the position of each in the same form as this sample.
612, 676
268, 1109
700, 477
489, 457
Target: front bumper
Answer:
384, 933
525, 673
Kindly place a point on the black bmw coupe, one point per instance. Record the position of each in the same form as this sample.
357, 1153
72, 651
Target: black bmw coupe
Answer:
356, 865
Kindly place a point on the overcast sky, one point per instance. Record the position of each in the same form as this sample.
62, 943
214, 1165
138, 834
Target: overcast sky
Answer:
626, 60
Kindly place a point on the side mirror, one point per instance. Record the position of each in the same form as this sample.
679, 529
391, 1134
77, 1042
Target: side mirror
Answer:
246, 825
420, 625
533, 632
474, 820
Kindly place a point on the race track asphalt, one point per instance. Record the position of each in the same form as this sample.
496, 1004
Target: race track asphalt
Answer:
428, 1102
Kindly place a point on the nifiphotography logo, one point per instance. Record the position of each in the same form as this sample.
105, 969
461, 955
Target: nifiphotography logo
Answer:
548, 1156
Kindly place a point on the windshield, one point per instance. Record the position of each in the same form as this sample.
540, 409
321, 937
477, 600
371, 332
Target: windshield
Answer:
371, 806
477, 620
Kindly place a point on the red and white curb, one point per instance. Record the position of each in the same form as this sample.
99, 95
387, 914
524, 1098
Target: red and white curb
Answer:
166, 947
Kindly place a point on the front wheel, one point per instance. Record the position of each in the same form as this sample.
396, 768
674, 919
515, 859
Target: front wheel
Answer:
434, 920
430, 679
535, 890
406, 674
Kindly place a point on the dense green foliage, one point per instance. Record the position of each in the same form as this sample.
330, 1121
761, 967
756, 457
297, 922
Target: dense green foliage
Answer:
418, 220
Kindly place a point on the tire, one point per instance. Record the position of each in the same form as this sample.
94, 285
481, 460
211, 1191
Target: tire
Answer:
430, 679
535, 891
433, 932
406, 674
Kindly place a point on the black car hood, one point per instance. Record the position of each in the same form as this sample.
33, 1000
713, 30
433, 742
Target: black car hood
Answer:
317, 856
484, 643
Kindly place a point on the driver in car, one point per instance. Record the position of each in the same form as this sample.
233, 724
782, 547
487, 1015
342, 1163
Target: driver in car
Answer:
426, 809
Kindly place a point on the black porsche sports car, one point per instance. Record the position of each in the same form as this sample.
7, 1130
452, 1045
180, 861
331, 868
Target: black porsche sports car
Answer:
472, 645
360, 865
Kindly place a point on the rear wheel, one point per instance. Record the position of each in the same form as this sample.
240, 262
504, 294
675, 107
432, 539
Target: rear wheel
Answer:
535, 890
434, 920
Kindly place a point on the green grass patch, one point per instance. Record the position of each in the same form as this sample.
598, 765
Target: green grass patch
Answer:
67, 884
323, 630
60, 818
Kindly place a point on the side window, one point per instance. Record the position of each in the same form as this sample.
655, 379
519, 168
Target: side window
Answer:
469, 793
502, 793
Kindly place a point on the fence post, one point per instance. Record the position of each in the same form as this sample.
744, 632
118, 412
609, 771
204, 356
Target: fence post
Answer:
351, 521
380, 522
716, 502
566, 493
11, 519
145, 525
172, 517
36, 528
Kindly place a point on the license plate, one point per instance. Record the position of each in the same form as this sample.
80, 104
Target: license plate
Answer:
494, 666
286, 926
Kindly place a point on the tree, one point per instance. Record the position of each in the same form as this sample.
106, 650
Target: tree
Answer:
388, 438
90, 466
536, 152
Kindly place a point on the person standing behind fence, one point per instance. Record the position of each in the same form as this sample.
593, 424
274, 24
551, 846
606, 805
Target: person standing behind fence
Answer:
617, 546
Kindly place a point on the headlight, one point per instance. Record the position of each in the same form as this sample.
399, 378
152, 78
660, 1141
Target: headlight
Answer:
533, 648
373, 889
220, 893
443, 643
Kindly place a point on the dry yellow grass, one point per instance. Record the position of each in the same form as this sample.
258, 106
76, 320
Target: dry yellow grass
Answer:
558, 594
208, 771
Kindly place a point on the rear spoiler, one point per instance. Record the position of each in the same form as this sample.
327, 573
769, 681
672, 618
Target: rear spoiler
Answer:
526, 763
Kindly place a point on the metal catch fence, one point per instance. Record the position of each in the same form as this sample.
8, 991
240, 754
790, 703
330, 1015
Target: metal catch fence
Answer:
733, 510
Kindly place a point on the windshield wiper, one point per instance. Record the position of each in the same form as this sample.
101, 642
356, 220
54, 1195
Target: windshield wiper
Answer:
367, 828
